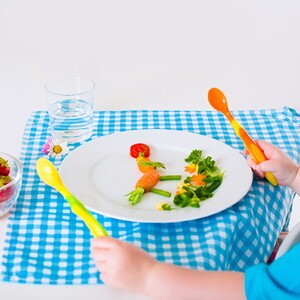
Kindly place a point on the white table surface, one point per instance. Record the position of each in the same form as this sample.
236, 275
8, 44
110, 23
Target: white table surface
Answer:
143, 55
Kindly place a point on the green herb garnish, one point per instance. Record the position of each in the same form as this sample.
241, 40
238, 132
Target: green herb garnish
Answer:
194, 157
195, 194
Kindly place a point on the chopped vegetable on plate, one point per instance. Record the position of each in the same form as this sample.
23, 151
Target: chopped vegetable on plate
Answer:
206, 178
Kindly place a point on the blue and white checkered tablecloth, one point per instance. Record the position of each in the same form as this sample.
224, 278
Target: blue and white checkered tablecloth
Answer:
47, 244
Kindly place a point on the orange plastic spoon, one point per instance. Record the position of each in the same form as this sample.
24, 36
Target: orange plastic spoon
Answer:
218, 101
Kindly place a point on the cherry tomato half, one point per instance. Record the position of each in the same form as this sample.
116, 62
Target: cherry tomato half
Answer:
136, 149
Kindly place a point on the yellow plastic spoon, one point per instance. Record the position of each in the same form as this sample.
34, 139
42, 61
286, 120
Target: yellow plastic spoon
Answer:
48, 173
218, 101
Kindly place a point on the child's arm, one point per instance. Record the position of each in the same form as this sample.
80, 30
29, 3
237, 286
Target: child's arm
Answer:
130, 268
286, 171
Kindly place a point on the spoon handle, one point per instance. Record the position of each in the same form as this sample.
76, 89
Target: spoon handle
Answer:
79, 209
256, 153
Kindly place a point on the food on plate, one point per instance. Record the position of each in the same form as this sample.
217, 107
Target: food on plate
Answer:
143, 185
160, 192
205, 178
137, 149
141, 152
145, 164
169, 177
163, 206
151, 176
148, 180
141, 163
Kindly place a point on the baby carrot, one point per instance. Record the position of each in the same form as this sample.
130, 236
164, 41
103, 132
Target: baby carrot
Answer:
143, 168
144, 184
148, 180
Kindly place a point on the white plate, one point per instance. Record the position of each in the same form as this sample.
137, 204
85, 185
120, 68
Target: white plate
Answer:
100, 172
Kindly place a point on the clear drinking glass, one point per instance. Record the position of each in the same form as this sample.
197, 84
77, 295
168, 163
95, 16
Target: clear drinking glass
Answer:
70, 104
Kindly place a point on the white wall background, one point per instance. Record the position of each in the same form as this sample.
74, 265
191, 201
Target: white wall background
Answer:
148, 54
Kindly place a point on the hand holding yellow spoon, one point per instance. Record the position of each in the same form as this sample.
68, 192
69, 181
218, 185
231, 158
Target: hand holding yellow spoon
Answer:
48, 173
218, 101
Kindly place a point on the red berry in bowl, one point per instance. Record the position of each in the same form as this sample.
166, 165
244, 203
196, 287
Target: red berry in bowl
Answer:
5, 193
4, 167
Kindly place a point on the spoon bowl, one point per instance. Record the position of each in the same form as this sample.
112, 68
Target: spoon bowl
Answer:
218, 100
48, 173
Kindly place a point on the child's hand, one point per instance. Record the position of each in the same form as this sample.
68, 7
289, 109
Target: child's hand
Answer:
128, 267
122, 264
283, 167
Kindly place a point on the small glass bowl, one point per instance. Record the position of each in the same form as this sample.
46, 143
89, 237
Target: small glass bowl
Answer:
10, 191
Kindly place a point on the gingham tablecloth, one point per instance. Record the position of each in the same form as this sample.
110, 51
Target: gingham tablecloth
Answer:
47, 244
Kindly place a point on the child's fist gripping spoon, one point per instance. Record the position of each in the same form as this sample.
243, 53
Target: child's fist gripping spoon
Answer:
218, 101
51, 177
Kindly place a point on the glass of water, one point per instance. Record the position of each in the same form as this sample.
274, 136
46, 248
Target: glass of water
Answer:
70, 104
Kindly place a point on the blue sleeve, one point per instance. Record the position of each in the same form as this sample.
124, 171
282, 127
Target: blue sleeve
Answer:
279, 280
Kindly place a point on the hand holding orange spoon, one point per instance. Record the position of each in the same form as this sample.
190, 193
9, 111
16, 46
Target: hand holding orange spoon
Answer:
218, 101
